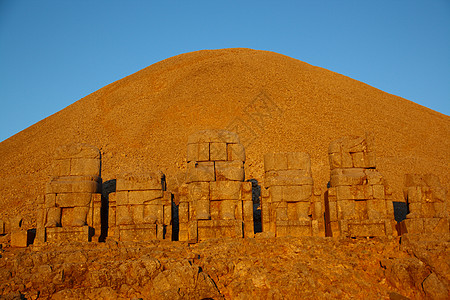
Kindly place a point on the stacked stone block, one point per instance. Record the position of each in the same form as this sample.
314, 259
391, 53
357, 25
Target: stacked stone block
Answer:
289, 205
427, 204
358, 202
214, 200
140, 209
70, 208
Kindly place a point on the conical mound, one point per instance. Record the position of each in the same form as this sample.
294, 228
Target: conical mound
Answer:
275, 103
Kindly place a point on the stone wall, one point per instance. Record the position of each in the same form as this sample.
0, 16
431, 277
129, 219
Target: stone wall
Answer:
427, 204
289, 205
215, 202
358, 202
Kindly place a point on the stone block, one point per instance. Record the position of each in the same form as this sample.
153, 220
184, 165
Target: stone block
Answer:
138, 233
247, 207
303, 211
414, 225
214, 209
358, 160
335, 160
275, 161
347, 160
200, 171
153, 214
72, 184
346, 210
53, 217
140, 197
137, 214
334, 147
138, 182
373, 177
61, 167
287, 177
193, 231
370, 160
228, 209
332, 206
198, 190
229, 170
183, 212
50, 200
225, 190
341, 177
414, 194
124, 215
235, 152
74, 216
299, 161
167, 214
428, 210
85, 166
353, 144
19, 238
203, 152
376, 209
378, 191
120, 197
366, 229
296, 193
73, 199
361, 210
72, 234
214, 135
218, 151
202, 207
246, 191
281, 213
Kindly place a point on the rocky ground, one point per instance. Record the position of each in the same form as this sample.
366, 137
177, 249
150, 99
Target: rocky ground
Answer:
415, 267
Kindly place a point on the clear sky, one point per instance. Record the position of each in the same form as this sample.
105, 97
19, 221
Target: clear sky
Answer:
53, 53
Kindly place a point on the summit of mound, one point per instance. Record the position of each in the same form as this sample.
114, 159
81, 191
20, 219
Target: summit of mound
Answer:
275, 103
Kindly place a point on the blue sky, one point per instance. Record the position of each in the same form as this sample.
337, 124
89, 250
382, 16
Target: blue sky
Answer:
53, 53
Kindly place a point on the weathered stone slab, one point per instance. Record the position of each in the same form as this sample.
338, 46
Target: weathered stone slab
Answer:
225, 190
366, 229
61, 167
67, 185
235, 152
198, 190
85, 166
229, 170
73, 199
218, 151
287, 177
73, 234
299, 161
140, 197
19, 238
136, 182
275, 161
138, 233
200, 172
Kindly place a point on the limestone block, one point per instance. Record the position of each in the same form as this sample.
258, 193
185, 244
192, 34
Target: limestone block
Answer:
366, 229
61, 167
72, 184
225, 190
299, 161
347, 177
73, 199
303, 211
183, 192
296, 193
74, 216
228, 209
354, 144
153, 214
414, 225
333, 211
247, 207
202, 209
19, 238
53, 217
275, 161
137, 214
247, 191
203, 152
335, 160
50, 200
281, 214
358, 160
64, 234
123, 215
373, 177
183, 212
200, 171
414, 194
361, 210
415, 210
214, 135
428, 210
229, 170
378, 191
346, 210
140, 197
347, 161
335, 147
235, 152
167, 214
77, 151
85, 166
198, 190
287, 177
376, 209
218, 151
137, 182
370, 160
193, 231
137, 233
214, 209
344, 192
192, 152
121, 197
440, 209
